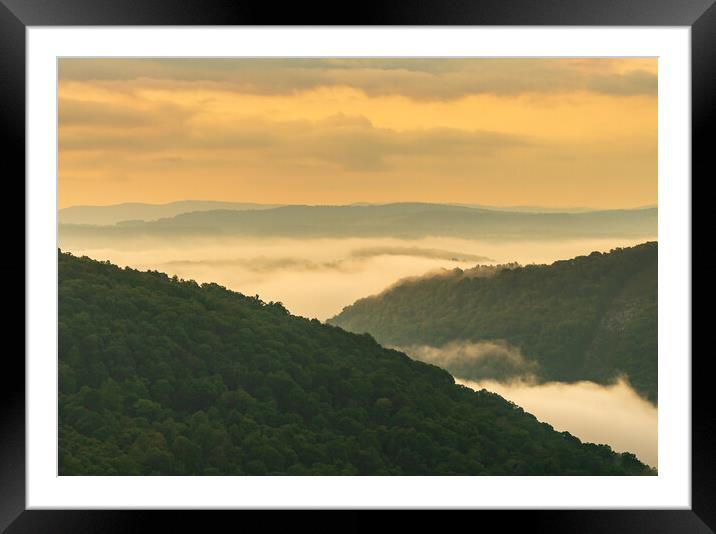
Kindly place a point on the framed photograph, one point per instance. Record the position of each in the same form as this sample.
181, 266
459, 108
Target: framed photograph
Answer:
434, 257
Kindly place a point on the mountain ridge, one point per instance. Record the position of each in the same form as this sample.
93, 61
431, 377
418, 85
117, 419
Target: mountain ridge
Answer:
132, 211
160, 376
556, 315
401, 220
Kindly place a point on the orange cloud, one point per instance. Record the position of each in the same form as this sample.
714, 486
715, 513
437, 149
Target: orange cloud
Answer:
534, 131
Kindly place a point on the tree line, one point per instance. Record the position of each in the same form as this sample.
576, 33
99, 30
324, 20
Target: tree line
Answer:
162, 376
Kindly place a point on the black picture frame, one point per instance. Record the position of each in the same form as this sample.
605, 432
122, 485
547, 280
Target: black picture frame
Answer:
16, 15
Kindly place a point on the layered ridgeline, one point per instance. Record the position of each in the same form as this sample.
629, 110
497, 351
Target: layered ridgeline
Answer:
589, 318
163, 376
140, 211
401, 220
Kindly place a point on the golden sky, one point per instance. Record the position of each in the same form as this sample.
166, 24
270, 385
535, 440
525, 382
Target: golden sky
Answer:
547, 132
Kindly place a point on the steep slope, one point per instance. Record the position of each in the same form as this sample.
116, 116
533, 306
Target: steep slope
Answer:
163, 376
626, 338
588, 318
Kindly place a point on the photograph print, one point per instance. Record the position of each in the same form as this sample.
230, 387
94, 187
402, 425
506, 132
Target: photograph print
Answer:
357, 266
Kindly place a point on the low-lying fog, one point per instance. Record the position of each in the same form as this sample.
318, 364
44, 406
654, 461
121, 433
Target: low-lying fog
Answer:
317, 277
612, 414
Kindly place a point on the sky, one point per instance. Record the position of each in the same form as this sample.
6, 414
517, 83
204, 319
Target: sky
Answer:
571, 132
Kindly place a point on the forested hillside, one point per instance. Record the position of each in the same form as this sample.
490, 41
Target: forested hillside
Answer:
589, 318
163, 376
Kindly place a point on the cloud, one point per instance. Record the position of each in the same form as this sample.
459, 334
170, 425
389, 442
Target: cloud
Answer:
304, 131
347, 142
266, 264
456, 273
417, 252
312, 277
633, 83
480, 360
76, 112
418, 79
614, 414
259, 264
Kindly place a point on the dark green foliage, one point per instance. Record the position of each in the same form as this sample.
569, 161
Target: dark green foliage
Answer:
589, 318
163, 376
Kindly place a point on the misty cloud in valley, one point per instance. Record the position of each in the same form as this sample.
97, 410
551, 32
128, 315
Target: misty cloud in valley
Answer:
613, 414
488, 359
318, 277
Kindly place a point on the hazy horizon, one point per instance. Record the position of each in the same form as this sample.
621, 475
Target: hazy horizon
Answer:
504, 207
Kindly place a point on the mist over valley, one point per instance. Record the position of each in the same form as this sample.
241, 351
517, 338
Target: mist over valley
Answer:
613, 413
317, 278
319, 274
358, 266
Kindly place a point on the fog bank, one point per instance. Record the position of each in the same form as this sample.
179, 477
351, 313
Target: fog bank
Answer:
485, 359
612, 414
316, 278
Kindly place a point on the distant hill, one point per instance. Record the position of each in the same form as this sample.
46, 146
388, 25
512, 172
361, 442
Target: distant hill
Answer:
589, 318
159, 376
534, 209
405, 220
549, 209
136, 211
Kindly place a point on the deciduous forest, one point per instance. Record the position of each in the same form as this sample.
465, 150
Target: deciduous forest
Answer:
589, 318
162, 376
